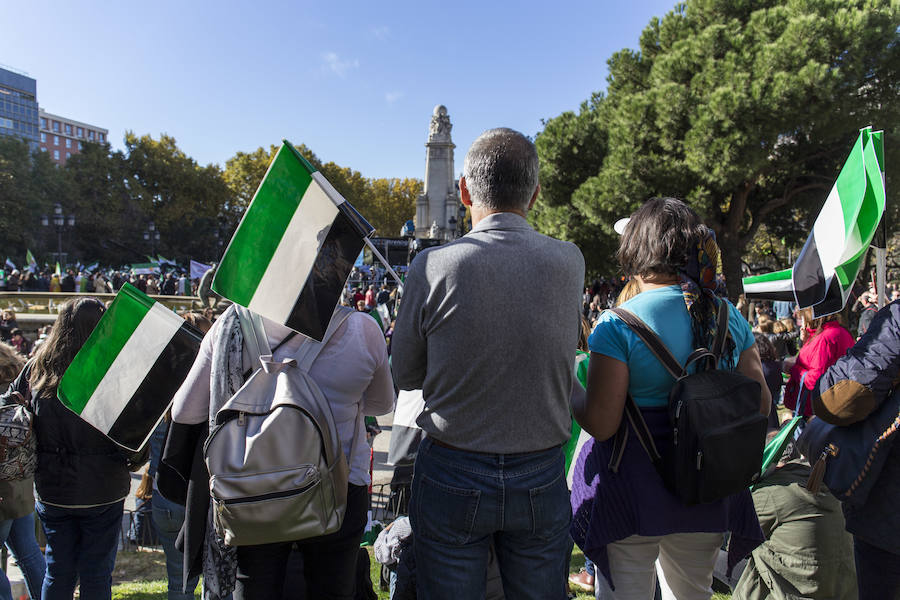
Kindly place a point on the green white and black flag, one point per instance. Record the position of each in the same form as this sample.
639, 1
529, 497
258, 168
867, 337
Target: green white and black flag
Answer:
826, 268
294, 248
124, 377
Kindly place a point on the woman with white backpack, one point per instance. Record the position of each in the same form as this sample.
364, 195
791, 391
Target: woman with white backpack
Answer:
245, 352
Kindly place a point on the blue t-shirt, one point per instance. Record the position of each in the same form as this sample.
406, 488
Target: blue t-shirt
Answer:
663, 310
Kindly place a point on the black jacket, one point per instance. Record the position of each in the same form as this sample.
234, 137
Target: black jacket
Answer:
77, 465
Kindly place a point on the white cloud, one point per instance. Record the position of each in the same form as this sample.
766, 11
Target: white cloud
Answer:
381, 33
337, 65
391, 97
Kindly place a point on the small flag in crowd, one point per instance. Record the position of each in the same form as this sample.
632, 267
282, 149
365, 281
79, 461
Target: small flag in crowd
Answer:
405, 432
10, 263
32, 263
382, 315
198, 269
294, 248
92, 267
145, 268
58, 271
831, 259
165, 261
579, 437
124, 377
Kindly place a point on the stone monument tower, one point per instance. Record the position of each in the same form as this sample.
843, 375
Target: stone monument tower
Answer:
437, 208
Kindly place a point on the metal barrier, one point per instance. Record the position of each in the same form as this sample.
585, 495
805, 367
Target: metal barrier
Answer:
48, 302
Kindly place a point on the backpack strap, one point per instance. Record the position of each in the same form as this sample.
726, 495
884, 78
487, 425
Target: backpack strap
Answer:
652, 341
645, 438
310, 349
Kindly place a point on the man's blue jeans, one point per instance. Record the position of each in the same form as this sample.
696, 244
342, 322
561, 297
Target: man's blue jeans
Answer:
461, 501
81, 547
168, 517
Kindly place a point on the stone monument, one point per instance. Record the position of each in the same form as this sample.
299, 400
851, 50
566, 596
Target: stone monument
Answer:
438, 208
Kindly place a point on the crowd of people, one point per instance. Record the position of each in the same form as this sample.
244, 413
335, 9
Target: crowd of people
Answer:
491, 511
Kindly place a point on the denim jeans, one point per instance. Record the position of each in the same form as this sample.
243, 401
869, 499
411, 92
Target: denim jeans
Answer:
877, 572
18, 534
81, 547
461, 501
168, 517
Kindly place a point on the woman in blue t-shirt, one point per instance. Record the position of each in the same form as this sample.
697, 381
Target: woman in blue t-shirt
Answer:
625, 521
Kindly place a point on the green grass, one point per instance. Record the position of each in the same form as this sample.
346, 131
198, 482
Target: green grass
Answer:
142, 576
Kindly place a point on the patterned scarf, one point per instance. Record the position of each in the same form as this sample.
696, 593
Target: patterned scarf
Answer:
702, 288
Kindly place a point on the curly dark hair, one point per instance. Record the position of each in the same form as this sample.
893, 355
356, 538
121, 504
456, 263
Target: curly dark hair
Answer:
658, 238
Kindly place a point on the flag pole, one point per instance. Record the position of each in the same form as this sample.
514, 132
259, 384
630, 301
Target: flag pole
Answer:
384, 262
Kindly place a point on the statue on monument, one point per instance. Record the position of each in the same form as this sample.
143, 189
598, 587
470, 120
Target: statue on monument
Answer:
440, 123
435, 229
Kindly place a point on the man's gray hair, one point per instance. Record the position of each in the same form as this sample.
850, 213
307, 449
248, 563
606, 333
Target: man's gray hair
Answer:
501, 170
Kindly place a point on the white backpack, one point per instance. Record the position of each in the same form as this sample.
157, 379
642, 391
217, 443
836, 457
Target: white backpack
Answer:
277, 471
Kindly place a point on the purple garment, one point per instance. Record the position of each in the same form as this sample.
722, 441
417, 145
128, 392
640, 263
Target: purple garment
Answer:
608, 506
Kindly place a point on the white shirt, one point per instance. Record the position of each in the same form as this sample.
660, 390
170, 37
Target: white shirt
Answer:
352, 370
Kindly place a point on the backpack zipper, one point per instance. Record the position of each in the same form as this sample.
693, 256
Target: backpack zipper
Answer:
273, 495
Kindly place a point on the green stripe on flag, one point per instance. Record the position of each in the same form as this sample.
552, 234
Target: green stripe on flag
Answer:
102, 347
260, 232
775, 276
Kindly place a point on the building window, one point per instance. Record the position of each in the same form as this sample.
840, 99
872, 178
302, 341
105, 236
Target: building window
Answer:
101, 137
56, 126
80, 131
56, 155
4, 122
43, 123
90, 134
68, 143
79, 145
43, 149
43, 138
68, 155
56, 140
68, 129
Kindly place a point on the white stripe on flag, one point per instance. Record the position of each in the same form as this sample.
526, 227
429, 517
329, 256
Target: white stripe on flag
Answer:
296, 254
829, 233
131, 366
776, 285
583, 438
410, 404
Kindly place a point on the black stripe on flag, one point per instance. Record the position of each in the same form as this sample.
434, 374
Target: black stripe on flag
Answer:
322, 290
404, 445
808, 275
151, 400
833, 302
786, 295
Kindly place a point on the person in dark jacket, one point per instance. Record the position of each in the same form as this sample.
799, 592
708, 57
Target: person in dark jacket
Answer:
847, 393
82, 478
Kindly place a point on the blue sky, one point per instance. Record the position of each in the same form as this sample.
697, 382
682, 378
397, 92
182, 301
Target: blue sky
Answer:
354, 81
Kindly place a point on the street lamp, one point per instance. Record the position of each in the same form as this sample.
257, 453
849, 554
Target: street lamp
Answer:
151, 234
60, 222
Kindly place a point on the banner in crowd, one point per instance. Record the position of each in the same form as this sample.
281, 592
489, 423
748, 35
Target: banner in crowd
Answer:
124, 377
294, 247
198, 269
832, 257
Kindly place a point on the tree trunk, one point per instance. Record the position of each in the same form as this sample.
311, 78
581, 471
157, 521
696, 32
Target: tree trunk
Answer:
732, 252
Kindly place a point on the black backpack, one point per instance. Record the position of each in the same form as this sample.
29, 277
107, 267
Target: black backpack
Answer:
719, 433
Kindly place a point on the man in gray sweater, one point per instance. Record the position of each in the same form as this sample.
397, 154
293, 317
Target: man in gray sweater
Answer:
495, 365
